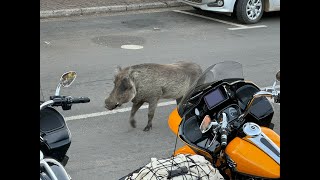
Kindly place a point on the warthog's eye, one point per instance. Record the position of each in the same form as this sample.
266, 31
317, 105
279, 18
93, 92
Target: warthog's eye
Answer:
124, 85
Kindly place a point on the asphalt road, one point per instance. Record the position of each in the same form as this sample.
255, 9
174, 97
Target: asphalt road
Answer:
106, 147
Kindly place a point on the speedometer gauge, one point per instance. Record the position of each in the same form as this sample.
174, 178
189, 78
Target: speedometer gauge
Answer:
233, 112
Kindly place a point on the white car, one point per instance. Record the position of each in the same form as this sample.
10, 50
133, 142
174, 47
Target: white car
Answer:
247, 11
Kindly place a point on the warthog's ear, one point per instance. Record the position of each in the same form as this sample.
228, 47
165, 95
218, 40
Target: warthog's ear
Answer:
133, 74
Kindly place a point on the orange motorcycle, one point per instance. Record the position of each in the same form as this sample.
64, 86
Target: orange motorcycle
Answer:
227, 120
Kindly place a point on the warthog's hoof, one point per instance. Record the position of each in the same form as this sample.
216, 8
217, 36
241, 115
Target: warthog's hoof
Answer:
133, 123
147, 128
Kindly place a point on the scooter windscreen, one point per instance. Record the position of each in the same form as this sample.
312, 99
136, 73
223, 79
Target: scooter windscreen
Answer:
50, 120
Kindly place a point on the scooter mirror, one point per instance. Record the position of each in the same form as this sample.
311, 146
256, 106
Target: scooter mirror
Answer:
205, 124
278, 75
68, 78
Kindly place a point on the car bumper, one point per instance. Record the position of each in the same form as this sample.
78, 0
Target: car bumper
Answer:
205, 5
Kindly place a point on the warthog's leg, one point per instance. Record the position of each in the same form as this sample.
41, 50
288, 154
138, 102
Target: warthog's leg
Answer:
134, 109
152, 109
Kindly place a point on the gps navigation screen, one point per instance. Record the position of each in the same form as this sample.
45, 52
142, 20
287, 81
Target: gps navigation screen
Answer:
214, 98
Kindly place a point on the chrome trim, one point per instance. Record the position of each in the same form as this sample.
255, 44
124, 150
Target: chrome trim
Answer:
49, 171
41, 155
231, 162
213, 140
45, 104
251, 129
256, 140
224, 122
263, 93
44, 162
57, 90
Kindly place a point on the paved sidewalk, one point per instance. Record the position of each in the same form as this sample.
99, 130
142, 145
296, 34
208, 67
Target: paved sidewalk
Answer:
60, 8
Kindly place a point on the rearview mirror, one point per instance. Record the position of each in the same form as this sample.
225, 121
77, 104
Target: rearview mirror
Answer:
68, 78
205, 124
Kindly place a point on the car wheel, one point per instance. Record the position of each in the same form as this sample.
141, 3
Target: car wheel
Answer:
249, 11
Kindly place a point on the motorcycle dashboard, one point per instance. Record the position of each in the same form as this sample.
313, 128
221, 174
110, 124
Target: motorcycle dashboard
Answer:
232, 112
212, 101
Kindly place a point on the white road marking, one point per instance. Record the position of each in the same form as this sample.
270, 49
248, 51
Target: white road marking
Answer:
239, 26
247, 27
84, 116
214, 19
131, 46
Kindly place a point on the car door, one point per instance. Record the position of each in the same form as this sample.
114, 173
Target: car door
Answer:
275, 5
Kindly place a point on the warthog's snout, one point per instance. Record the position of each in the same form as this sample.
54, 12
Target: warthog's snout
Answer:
111, 105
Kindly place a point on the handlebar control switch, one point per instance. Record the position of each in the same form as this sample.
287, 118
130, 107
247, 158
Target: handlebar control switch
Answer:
66, 106
67, 103
224, 137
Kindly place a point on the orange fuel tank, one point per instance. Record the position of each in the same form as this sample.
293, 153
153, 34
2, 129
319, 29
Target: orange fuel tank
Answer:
251, 160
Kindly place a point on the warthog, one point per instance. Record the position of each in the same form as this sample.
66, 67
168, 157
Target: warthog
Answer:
150, 82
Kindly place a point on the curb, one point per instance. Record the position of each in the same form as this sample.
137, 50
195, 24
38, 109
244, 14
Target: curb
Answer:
107, 9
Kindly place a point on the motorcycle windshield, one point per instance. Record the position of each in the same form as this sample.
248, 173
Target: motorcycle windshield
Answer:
221, 71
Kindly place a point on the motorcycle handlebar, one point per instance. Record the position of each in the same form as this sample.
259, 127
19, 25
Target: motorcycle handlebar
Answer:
62, 100
80, 100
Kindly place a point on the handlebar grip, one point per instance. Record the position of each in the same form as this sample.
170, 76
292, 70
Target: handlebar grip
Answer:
223, 137
80, 100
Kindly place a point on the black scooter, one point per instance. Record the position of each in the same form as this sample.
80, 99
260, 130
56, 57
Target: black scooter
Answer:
55, 136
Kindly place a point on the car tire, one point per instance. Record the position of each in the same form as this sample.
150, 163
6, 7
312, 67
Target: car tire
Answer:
255, 11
